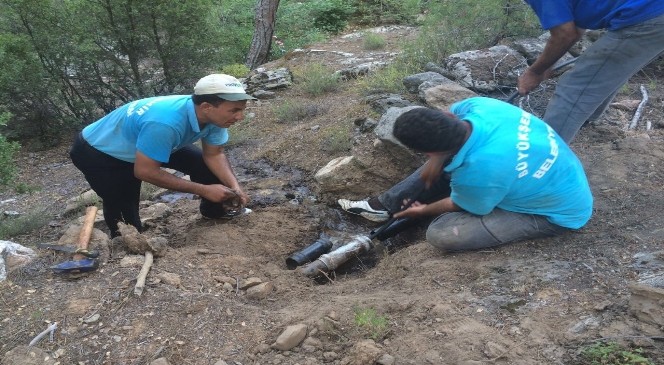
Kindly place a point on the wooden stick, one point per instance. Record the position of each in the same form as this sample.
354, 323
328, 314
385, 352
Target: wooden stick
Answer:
86, 230
639, 109
140, 279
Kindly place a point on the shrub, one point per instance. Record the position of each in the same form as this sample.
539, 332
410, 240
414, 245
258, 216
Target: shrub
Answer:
318, 80
236, 69
290, 111
373, 41
376, 12
331, 15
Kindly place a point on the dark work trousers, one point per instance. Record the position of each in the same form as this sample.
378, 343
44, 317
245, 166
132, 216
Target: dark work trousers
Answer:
114, 181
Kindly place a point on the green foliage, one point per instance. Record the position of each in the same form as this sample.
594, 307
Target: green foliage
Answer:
378, 12
611, 353
7, 151
294, 28
454, 26
236, 69
293, 111
317, 79
373, 41
331, 15
368, 319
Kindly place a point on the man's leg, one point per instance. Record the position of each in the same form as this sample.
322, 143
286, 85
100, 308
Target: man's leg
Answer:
189, 160
412, 187
113, 180
585, 91
458, 231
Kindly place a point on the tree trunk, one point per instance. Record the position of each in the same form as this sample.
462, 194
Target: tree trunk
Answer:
266, 17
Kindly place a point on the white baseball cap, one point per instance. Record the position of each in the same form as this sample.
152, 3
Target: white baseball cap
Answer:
225, 87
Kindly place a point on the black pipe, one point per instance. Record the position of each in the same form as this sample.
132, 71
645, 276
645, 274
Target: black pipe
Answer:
309, 253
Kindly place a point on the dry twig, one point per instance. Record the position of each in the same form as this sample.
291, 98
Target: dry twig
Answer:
639, 109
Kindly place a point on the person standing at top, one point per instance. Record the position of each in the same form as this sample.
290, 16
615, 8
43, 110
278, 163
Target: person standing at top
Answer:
634, 37
132, 144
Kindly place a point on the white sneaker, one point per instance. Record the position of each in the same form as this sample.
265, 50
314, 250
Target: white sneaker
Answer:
363, 209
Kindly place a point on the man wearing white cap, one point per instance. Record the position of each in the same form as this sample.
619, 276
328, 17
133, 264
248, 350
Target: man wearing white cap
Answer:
132, 143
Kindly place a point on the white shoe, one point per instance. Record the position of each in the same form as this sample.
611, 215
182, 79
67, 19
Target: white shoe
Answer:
363, 209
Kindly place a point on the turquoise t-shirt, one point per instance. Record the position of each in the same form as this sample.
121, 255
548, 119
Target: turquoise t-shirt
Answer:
156, 126
514, 161
594, 14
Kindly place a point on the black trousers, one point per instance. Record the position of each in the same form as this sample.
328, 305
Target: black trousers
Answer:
114, 181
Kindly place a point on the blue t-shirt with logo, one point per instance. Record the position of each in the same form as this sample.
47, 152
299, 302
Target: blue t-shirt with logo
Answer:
156, 126
596, 14
514, 161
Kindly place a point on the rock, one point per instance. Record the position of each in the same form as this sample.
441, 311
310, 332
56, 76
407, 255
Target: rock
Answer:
647, 303
155, 212
413, 82
136, 242
170, 278
221, 362
249, 282
290, 337
383, 102
486, 70
24, 355
386, 359
160, 361
13, 256
363, 352
226, 279
443, 96
132, 261
260, 291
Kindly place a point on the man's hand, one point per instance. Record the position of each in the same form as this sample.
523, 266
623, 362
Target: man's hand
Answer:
416, 209
529, 80
432, 169
562, 38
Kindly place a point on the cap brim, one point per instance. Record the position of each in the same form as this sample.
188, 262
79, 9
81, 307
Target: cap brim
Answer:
235, 97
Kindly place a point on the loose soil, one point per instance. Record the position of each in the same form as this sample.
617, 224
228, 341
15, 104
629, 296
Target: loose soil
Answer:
533, 302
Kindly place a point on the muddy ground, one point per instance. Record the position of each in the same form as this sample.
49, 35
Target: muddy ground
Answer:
538, 302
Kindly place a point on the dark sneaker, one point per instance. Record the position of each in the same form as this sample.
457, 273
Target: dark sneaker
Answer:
363, 209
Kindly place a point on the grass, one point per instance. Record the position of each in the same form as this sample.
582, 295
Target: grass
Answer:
369, 320
610, 353
23, 224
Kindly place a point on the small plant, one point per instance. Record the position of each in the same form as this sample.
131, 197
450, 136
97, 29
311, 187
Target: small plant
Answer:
331, 15
290, 111
373, 41
336, 139
318, 80
610, 353
376, 325
235, 70
23, 188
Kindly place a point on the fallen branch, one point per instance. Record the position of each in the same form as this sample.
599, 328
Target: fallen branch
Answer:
140, 279
48, 330
639, 109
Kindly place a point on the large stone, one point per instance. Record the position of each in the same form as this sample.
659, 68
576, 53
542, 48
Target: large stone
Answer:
486, 70
24, 355
443, 96
13, 256
290, 337
647, 303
